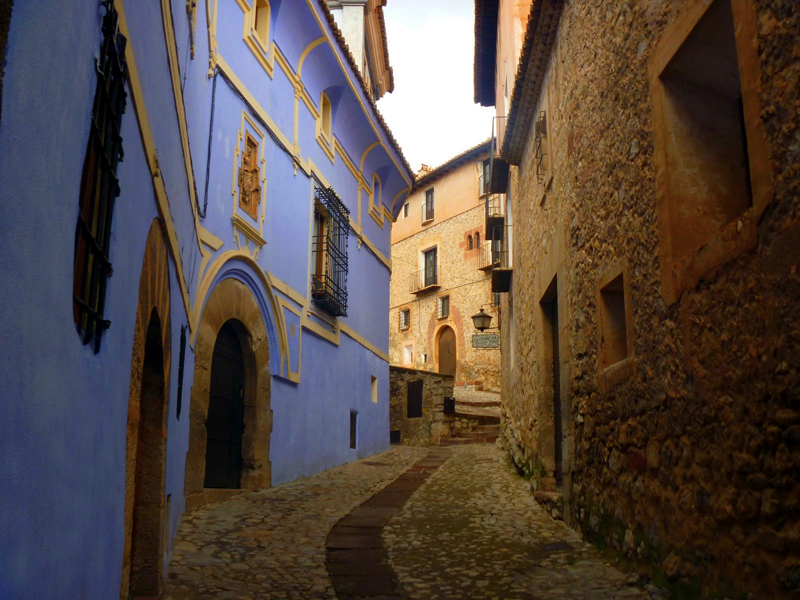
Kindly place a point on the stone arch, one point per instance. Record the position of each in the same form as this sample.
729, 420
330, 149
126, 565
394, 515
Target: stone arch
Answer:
446, 330
146, 424
231, 301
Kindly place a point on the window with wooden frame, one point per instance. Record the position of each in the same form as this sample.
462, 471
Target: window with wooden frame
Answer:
430, 275
427, 207
329, 253
261, 22
713, 172
485, 177
99, 184
405, 319
443, 307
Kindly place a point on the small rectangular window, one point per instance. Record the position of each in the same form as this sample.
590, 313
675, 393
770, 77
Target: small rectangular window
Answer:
613, 323
405, 318
408, 355
261, 24
485, 177
326, 116
414, 400
353, 429
427, 208
443, 307
374, 389
405, 210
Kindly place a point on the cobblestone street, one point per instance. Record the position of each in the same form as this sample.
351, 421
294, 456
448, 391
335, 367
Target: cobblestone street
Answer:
458, 523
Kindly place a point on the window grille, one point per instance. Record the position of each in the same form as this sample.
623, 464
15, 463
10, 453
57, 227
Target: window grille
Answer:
353, 429
99, 184
405, 318
331, 231
444, 306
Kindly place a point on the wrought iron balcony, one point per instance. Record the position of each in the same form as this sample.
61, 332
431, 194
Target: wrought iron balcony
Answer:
425, 280
487, 257
498, 167
495, 213
501, 260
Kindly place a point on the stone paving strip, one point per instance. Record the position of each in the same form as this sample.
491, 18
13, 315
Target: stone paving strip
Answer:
357, 562
474, 531
271, 544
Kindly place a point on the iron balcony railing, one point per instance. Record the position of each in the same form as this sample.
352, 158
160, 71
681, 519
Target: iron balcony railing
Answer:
498, 167
502, 260
487, 258
425, 278
329, 246
495, 206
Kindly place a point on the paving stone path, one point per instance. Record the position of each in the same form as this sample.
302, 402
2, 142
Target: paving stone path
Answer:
271, 544
474, 531
455, 523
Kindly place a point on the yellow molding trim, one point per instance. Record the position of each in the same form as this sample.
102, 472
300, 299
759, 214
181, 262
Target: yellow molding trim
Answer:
162, 201
204, 287
248, 230
405, 191
174, 70
305, 52
344, 328
209, 239
256, 235
356, 91
294, 376
367, 151
287, 290
331, 336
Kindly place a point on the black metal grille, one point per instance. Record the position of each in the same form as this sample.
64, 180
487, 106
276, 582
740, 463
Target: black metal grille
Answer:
329, 277
99, 184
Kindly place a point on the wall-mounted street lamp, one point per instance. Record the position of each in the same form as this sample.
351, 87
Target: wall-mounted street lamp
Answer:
482, 321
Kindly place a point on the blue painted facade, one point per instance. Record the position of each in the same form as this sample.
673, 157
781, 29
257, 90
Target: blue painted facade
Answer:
204, 88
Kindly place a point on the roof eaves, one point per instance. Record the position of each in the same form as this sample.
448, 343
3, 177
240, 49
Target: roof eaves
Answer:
337, 34
468, 154
389, 70
486, 12
540, 35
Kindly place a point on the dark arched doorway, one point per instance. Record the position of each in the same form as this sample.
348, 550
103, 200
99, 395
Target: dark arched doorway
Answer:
447, 351
225, 422
146, 531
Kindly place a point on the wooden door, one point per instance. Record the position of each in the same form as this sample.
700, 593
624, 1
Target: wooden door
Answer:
225, 423
447, 351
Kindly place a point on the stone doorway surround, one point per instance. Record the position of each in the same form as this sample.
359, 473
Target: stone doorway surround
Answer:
147, 422
231, 300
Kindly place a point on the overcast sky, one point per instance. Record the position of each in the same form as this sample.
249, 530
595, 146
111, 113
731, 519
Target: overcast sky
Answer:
431, 111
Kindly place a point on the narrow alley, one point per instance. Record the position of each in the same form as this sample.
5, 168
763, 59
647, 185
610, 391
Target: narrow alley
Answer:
455, 523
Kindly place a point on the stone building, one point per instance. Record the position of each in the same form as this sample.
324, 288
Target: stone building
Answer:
195, 221
441, 275
651, 325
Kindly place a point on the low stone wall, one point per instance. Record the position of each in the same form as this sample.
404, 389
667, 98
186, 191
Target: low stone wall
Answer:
434, 427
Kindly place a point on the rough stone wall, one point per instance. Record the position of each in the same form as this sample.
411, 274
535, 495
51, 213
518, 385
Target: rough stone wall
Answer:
689, 464
468, 287
433, 427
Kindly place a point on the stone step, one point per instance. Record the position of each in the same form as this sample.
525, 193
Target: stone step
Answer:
484, 418
480, 439
478, 403
479, 431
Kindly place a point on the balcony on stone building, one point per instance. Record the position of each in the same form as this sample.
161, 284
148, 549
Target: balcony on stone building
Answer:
425, 280
495, 214
498, 167
487, 257
501, 259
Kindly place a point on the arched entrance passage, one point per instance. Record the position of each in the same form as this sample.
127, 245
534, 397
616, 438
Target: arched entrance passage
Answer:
225, 422
231, 315
446, 351
147, 422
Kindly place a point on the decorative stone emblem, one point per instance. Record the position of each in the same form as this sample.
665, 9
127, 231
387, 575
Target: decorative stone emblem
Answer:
250, 178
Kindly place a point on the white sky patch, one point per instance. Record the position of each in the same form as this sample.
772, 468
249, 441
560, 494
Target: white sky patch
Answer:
431, 49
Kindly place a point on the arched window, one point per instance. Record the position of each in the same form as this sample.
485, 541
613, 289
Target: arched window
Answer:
469, 242
478, 239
